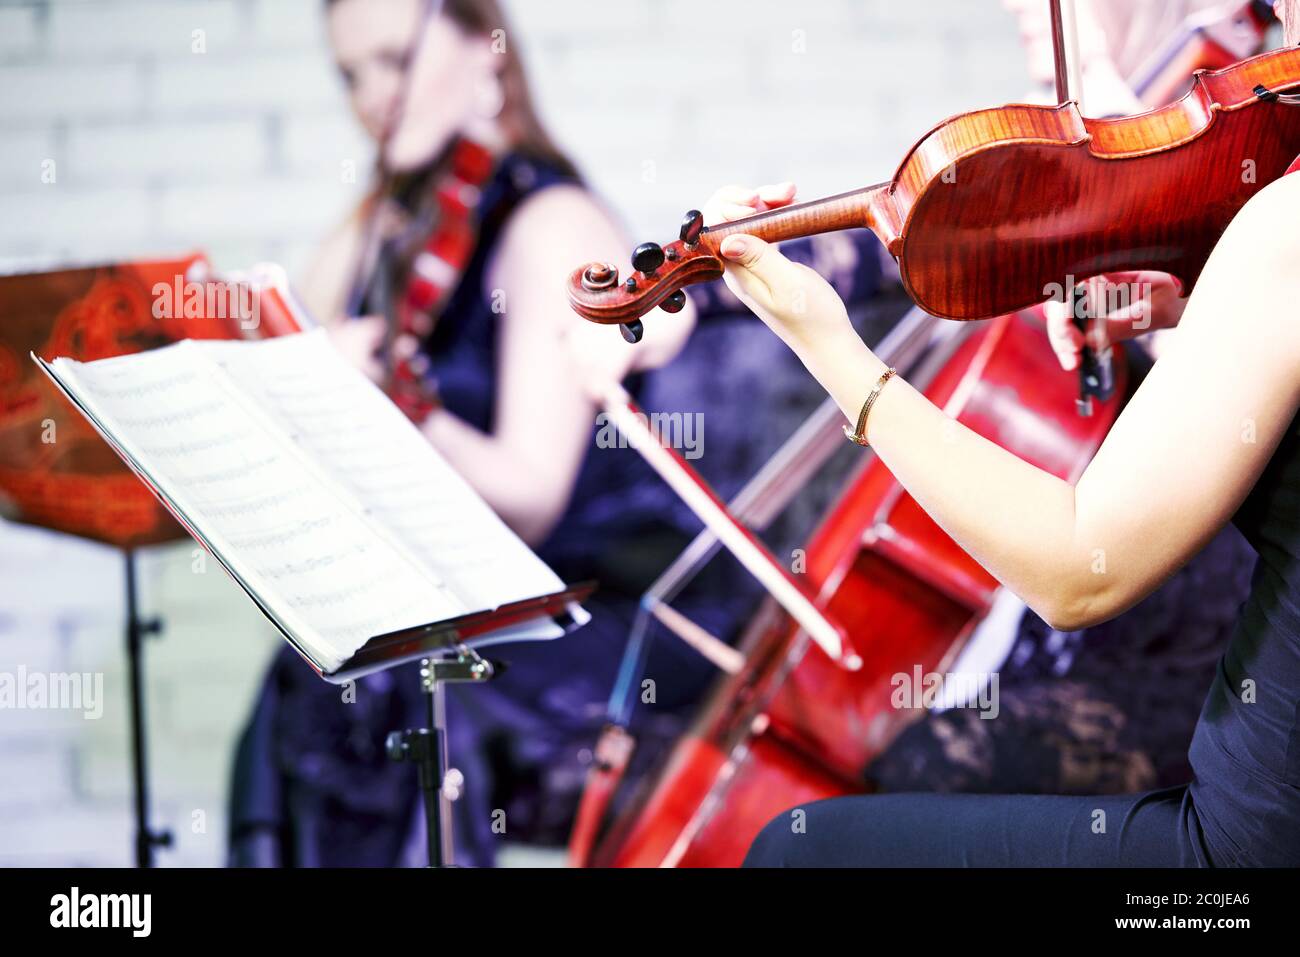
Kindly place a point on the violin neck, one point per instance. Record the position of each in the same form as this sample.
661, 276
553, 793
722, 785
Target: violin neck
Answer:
851, 210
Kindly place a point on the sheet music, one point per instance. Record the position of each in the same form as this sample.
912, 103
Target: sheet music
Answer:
347, 424
329, 573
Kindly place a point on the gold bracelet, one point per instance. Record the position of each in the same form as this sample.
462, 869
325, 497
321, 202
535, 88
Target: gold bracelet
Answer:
860, 434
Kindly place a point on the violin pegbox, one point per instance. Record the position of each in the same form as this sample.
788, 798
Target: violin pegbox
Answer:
658, 275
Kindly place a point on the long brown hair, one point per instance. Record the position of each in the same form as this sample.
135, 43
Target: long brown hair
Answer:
519, 119
519, 116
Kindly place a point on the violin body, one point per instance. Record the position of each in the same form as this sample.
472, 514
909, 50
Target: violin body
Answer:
993, 209
793, 726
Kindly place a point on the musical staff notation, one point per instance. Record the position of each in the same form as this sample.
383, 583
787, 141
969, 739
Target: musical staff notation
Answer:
313, 488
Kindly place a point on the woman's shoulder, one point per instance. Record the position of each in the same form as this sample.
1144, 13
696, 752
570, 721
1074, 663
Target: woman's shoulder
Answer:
1251, 276
559, 220
550, 207
1261, 245
1273, 214
325, 278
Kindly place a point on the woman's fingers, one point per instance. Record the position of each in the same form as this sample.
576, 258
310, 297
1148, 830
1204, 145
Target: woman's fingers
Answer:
733, 211
757, 272
1063, 334
719, 208
777, 194
1121, 305
737, 194
752, 253
359, 341
736, 202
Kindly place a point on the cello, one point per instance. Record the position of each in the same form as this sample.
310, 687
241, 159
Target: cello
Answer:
788, 726
791, 725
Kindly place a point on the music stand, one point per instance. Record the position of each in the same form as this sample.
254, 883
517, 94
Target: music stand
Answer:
137, 629
427, 746
447, 657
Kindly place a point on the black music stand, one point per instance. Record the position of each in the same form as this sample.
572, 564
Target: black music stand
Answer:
427, 746
446, 657
137, 630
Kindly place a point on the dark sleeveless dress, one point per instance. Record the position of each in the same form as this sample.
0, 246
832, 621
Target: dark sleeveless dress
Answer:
1242, 807
312, 784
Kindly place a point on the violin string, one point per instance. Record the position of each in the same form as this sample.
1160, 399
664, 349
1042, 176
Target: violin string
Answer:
368, 252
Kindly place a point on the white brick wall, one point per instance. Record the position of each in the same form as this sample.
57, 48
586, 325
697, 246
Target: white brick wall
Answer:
238, 150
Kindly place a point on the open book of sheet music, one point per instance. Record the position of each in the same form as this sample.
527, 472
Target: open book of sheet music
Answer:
330, 509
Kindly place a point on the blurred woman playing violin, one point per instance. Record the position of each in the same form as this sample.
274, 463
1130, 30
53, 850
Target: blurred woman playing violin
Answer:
459, 246
1211, 436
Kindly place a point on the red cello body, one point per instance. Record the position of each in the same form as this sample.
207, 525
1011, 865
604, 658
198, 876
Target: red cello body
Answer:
792, 726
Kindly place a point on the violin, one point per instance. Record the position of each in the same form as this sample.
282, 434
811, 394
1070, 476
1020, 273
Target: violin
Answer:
991, 209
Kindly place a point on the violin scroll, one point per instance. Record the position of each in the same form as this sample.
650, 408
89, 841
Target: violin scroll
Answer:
658, 275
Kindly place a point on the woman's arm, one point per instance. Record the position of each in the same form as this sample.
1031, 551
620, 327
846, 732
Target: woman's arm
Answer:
324, 288
1183, 454
548, 361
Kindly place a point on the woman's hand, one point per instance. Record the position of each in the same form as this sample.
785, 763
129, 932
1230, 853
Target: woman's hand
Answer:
793, 300
1144, 302
358, 341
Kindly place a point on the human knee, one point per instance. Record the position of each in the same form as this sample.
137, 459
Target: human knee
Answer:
772, 847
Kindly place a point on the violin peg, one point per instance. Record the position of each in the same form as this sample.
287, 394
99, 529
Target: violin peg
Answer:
692, 224
632, 331
647, 257
674, 303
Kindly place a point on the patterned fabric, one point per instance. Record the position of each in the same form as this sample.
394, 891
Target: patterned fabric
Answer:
1107, 710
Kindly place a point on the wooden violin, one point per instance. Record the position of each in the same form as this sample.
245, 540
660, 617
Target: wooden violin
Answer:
991, 209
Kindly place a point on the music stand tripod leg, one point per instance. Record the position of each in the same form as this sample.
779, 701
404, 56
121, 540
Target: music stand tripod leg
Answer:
427, 746
137, 629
